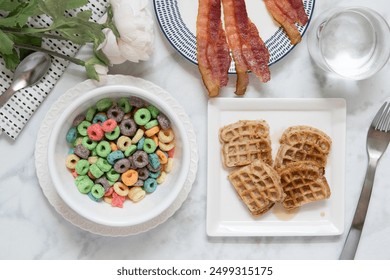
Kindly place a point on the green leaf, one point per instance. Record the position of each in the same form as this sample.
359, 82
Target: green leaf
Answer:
74, 4
11, 60
20, 15
9, 5
6, 45
53, 8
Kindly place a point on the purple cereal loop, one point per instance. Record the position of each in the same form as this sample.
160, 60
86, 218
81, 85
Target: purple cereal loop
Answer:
140, 159
137, 102
81, 151
104, 182
122, 165
163, 121
139, 183
131, 160
128, 127
77, 120
143, 173
116, 113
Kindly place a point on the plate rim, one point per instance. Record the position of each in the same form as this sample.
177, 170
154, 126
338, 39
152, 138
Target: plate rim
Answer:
335, 228
232, 69
44, 178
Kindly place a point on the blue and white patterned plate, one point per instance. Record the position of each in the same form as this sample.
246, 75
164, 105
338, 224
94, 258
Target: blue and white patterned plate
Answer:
177, 19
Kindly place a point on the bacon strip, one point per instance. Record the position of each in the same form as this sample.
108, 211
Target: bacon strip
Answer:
287, 13
298, 7
248, 49
212, 49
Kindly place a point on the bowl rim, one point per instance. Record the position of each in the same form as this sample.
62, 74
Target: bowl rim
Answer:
118, 91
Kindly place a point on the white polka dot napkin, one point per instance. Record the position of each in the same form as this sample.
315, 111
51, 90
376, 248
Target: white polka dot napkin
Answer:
18, 110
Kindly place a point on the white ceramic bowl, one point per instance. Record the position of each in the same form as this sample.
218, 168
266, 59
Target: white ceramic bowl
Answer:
102, 213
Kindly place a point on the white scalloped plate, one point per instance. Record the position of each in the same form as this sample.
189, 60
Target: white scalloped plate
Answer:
43, 171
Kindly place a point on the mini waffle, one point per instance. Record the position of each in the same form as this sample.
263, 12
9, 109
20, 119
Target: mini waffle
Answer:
245, 141
287, 154
258, 186
309, 139
303, 182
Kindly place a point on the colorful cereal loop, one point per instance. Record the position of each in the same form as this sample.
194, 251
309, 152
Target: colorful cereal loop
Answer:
138, 135
82, 167
103, 148
142, 116
95, 132
149, 146
162, 157
130, 177
150, 185
121, 189
97, 191
123, 143
104, 104
109, 125
82, 128
166, 136
71, 161
162, 177
152, 131
136, 194
166, 146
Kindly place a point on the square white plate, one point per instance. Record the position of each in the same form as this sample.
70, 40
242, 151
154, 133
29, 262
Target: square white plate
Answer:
226, 213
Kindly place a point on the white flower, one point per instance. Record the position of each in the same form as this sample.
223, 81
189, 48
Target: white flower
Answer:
135, 25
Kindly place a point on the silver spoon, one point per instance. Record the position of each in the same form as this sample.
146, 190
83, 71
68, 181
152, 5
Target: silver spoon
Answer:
30, 70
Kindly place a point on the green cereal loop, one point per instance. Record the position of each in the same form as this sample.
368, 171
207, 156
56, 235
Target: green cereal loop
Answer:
82, 167
142, 116
151, 124
104, 104
113, 134
82, 128
88, 143
153, 111
97, 191
84, 185
112, 175
103, 165
103, 148
124, 104
80, 178
130, 150
96, 171
149, 146
90, 114
111, 183
94, 153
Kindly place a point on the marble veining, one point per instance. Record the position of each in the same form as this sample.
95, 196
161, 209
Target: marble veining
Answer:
30, 228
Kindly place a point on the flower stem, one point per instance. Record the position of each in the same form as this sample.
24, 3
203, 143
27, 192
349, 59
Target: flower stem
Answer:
38, 35
40, 49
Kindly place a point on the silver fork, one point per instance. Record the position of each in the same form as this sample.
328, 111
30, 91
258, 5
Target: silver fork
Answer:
378, 138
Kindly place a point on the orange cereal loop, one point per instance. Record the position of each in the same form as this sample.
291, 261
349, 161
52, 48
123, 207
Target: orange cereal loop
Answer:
152, 131
113, 146
155, 139
162, 157
130, 177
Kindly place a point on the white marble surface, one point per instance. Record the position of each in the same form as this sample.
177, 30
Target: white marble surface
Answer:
31, 229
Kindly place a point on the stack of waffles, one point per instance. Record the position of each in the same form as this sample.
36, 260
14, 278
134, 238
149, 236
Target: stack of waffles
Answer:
294, 179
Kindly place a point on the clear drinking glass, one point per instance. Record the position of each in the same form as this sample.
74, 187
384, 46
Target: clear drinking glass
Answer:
352, 42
